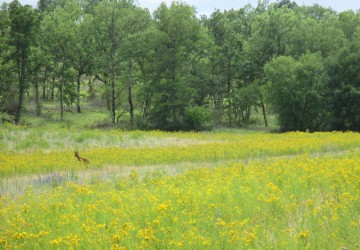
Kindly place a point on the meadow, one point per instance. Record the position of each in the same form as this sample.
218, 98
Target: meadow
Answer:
232, 189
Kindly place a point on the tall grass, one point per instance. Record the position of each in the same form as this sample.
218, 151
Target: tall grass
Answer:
295, 203
27, 151
228, 190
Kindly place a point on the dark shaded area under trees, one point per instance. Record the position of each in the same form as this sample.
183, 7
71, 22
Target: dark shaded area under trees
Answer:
173, 70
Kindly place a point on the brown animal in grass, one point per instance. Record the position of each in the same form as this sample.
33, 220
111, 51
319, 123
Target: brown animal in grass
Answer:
81, 159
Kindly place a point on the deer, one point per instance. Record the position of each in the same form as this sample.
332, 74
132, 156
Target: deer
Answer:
81, 159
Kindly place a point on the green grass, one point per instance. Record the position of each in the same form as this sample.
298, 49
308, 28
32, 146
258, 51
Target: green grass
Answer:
296, 203
228, 189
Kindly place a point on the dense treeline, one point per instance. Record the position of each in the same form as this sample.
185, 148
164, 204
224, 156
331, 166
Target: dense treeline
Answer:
172, 70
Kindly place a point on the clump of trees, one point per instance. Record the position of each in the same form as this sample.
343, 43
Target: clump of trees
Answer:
173, 70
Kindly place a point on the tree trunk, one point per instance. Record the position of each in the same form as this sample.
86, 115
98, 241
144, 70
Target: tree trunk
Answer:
113, 103
78, 108
91, 89
52, 96
37, 97
217, 95
21, 76
147, 100
55, 62
146, 106
44, 83
20, 103
264, 114
61, 87
130, 82
44, 92
61, 101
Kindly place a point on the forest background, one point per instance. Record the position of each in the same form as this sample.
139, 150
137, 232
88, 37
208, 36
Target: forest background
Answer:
172, 70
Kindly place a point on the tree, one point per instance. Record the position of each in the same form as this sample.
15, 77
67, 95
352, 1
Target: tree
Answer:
7, 92
37, 62
269, 28
286, 3
23, 21
177, 43
110, 22
84, 56
135, 51
296, 91
314, 32
59, 29
50, 5
349, 22
225, 60
143, 48
344, 87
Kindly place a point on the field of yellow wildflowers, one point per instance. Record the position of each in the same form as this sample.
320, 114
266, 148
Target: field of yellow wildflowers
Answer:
237, 190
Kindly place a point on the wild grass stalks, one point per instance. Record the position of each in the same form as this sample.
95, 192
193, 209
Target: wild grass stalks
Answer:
295, 203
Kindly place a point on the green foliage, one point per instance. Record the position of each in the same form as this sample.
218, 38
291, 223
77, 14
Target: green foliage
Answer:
176, 50
6, 118
304, 36
344, 88
175, 71
197, 119
296, 91
22, 26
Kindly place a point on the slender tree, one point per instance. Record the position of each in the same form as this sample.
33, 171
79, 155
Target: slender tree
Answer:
23, 20
59, 29
110, 24
133, 52
84, 55
6, 64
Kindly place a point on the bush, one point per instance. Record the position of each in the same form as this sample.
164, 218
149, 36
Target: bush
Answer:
196, 119
6, 118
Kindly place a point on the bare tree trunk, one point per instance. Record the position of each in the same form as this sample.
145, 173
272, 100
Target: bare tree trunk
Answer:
78, 108
61, 87
37, 97
112, 60
217, 95
44, 83
113, 102
21, 77
61, 101
91, 88
130, 82
44, 92
52, 95
146, 106
55, 62
264, 114
20, 103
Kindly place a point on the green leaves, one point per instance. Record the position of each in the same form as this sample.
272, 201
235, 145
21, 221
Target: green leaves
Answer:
22, 26
344, 88
176, 50
163, 70
296, 91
